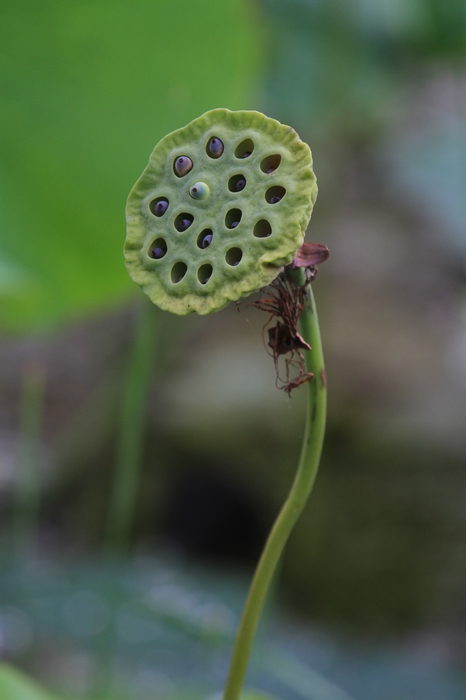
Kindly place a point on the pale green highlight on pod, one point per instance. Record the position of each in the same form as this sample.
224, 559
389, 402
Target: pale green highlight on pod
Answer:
199, 190
221, 207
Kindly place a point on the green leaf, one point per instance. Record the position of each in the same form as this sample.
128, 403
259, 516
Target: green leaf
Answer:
15, 685
88, 90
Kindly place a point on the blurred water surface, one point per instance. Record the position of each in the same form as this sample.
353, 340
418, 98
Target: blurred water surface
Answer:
157, 628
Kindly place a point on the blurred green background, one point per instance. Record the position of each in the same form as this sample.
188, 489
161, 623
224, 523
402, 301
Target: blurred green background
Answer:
143, 457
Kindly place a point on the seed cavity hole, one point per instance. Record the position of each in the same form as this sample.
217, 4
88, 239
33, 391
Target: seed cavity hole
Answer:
204, 273
233, 217
158, 249
236, 183
205, 238
271, 163
183, 221
182, 166
275, 194
244, 149
215, 147
159, 206
178, 271
234, 256
262, 229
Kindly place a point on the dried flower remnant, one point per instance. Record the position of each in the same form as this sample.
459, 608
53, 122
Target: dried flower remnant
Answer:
310, 255
285, 300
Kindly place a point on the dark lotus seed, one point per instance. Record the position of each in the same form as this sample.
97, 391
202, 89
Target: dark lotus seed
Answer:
246, 154
161, 207
158, 249
234, 224
215, 147
205, 238
275, 194
158, 253
183, 165
206, 241
183, 224
237, 183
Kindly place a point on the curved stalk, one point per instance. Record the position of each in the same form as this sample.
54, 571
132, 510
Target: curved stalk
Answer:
294, 504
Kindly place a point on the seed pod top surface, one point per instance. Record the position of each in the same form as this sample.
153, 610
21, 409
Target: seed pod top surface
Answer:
221, 207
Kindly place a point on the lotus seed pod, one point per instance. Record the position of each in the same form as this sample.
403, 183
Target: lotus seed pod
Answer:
237, 190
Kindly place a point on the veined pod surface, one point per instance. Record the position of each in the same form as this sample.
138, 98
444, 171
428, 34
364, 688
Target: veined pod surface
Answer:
232, 197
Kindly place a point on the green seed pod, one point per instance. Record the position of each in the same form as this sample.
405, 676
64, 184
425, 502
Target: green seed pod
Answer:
256, 193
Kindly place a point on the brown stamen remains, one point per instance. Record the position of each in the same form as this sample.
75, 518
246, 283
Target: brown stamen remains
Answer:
285, 300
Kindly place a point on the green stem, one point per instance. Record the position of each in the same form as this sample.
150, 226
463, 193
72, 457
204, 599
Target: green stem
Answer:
129, 449
294, 504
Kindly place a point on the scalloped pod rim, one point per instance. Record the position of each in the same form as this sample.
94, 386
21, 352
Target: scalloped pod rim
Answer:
262, 256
